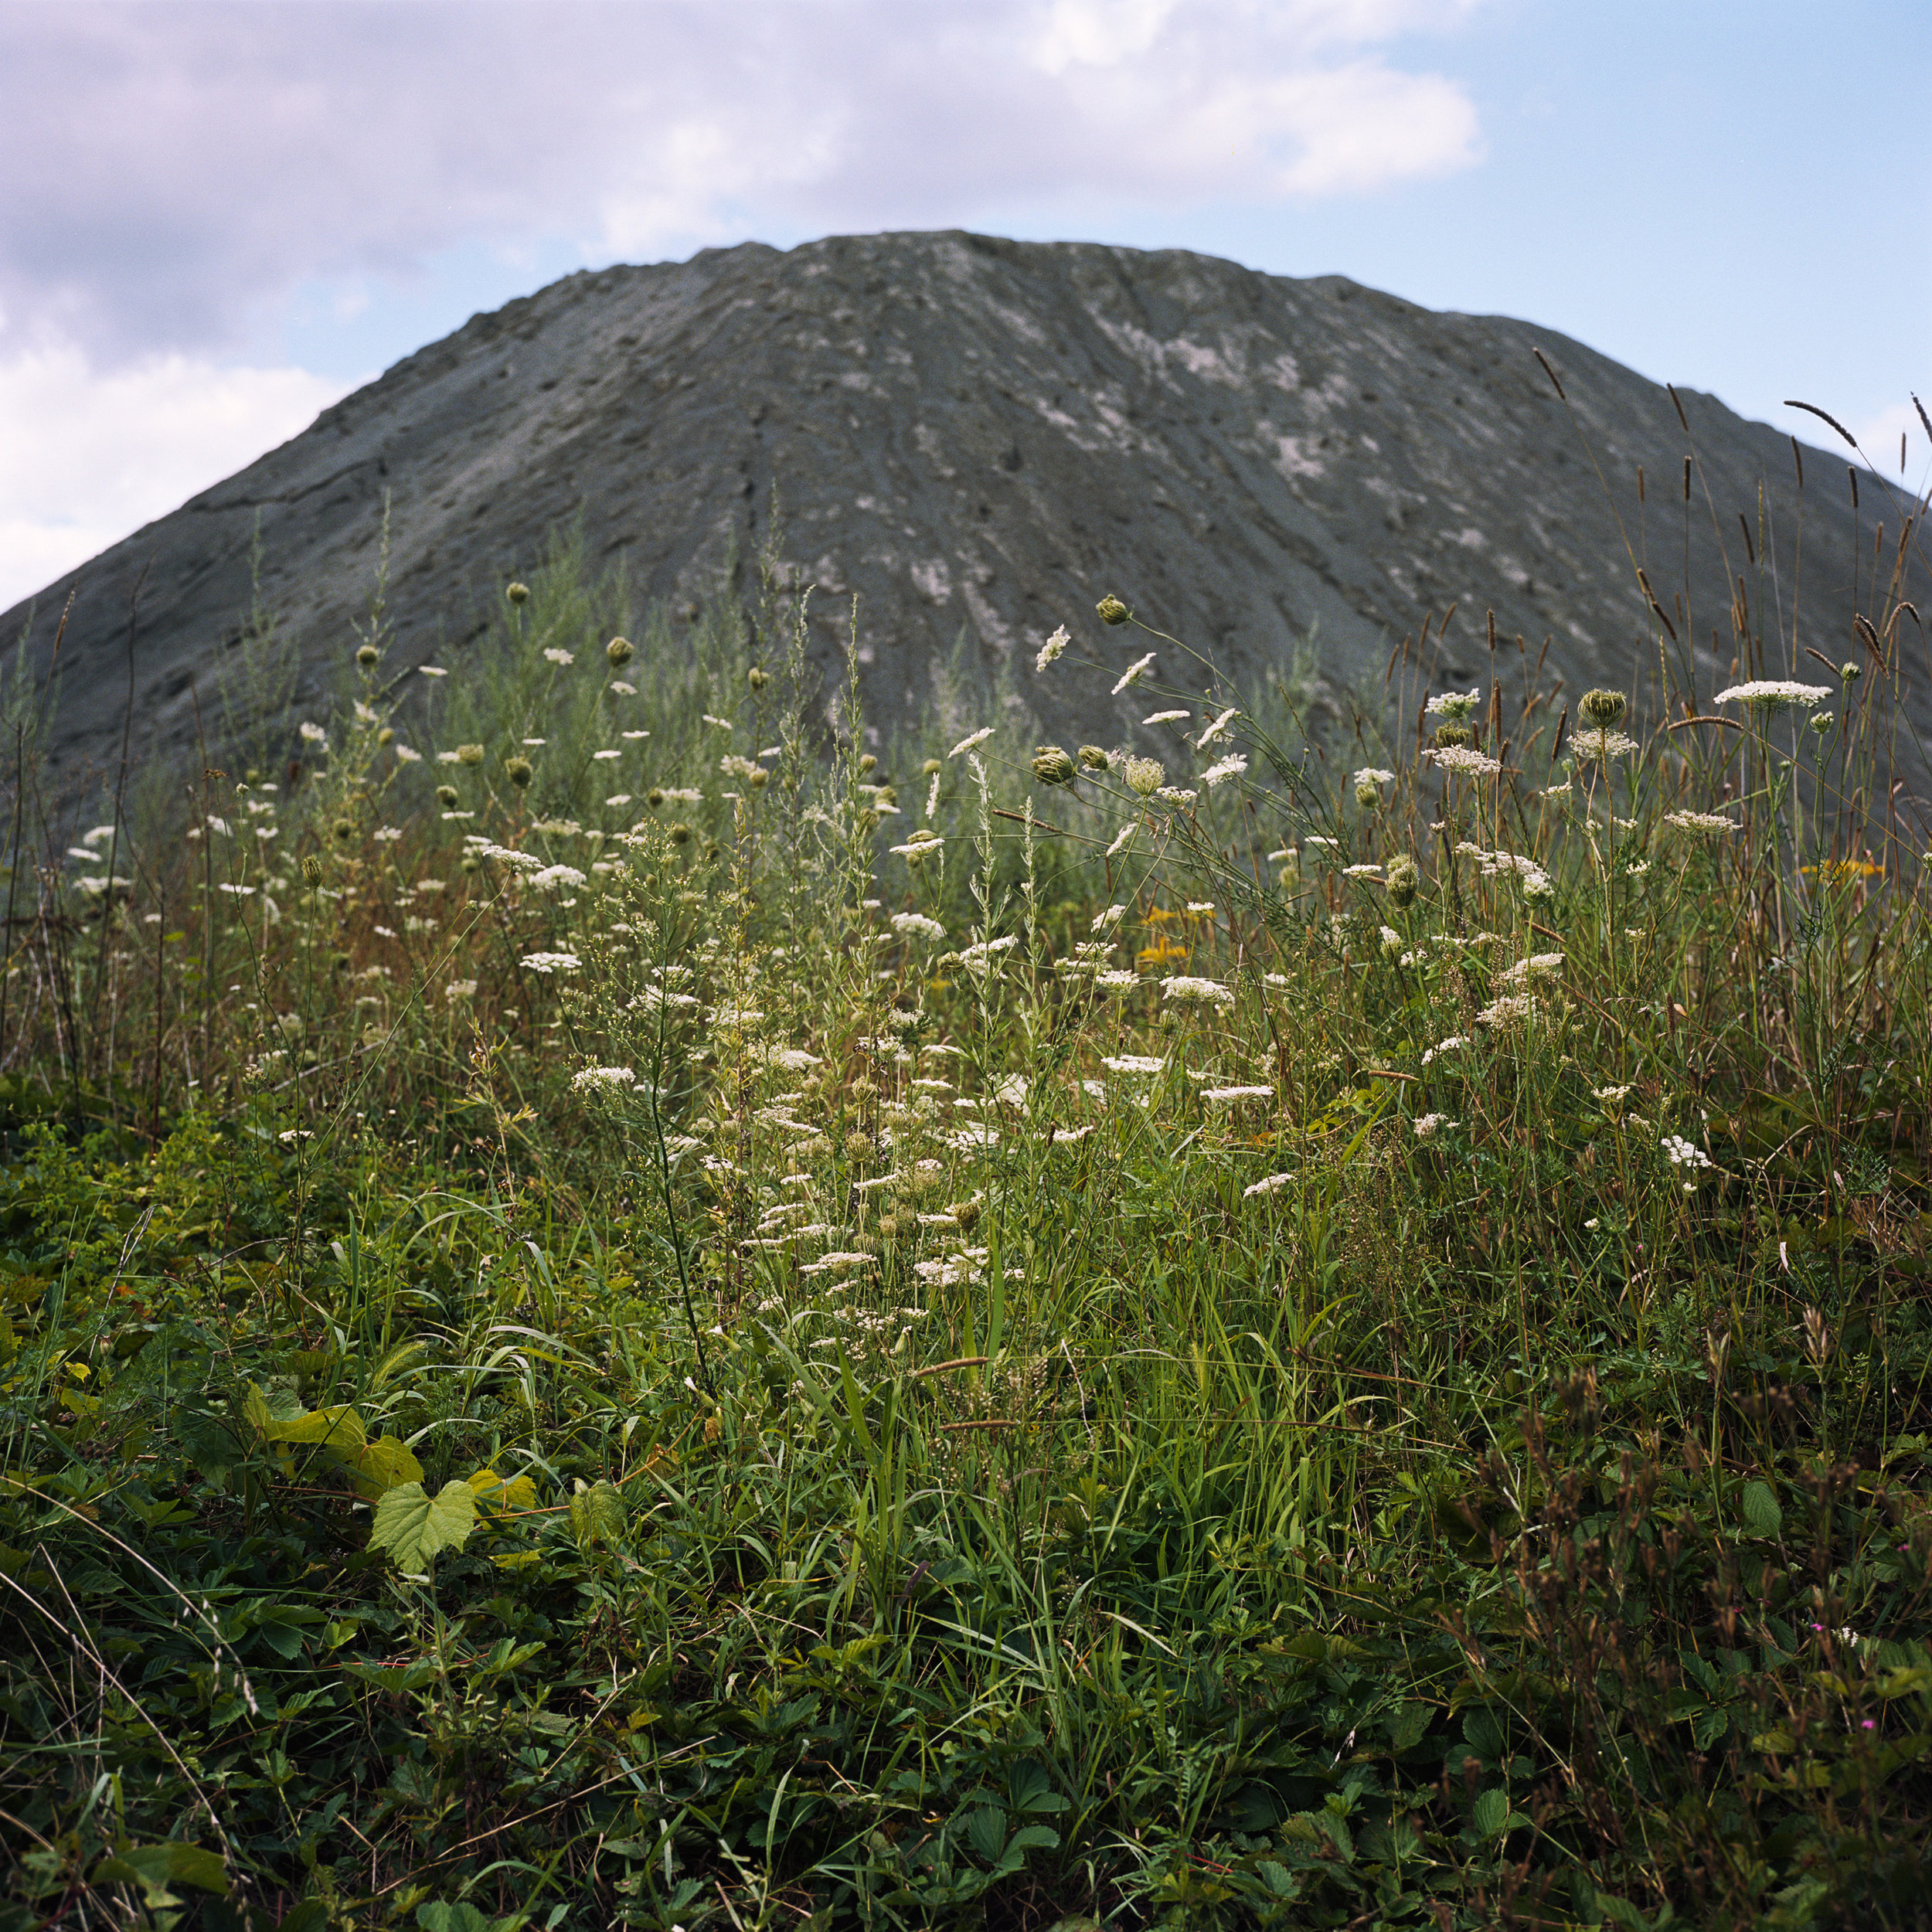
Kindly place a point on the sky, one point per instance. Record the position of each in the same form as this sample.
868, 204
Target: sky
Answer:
219, 217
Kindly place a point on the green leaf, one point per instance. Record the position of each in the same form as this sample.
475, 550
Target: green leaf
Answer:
382, 1464
155, 1867
986, 1832
596, 1513
1761, 1511
340, 1428
499, 1492
436, 1917
413, 1526
1492, 1814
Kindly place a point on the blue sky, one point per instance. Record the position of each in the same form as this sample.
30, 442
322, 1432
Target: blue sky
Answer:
223, 214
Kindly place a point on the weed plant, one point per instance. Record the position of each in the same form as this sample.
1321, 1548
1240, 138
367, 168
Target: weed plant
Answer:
615, 1314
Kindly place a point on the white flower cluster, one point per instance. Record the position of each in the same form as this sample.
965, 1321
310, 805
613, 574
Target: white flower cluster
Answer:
1237, 1093
1497, 865
1133, 1064
1372, 775
917, 925
1602, 744
1683, 1153
1712, 824
548, 963
1231, 766
1268, 1183
1454, 705
1537, 966
1466, 758
1772, 694
1133, 674
1428, 1125
1051, 648
602, 1079
1202, 992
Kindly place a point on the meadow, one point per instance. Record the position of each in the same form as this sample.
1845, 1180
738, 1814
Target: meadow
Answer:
623, 1303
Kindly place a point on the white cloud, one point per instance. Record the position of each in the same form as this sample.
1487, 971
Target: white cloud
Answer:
92, 455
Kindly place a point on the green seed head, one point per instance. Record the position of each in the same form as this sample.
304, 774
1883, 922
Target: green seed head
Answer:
448, 797
519, 771
1448, 735
1112, 610
368, 657
1052, 767
1604, 709
1404, 880
517, 593
1093, 758
619, 652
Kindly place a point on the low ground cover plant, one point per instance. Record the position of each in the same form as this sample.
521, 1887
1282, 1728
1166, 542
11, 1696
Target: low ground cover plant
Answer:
621, 1305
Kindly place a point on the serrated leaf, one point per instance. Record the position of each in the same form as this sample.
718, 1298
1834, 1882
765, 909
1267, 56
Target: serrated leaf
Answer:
497, 1492
379, 1466
1491, 1815
1762, 1513
414, 1527
340, 1428
596, 1513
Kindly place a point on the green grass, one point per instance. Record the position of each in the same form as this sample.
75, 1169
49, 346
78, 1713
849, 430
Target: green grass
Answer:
1052, 1415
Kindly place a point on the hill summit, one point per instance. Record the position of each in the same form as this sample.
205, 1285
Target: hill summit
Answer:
979, 438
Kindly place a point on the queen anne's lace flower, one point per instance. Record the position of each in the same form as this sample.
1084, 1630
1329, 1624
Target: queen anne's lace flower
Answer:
1051, 648
1268, 1183
1479, 764
602, 1079
1133, 674
1712, 824
1771, 694
1204, 992
548, 963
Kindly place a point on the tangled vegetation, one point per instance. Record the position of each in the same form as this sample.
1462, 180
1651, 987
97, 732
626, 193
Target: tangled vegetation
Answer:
621, 1310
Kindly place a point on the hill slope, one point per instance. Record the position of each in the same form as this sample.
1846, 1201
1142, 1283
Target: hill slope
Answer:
980, 438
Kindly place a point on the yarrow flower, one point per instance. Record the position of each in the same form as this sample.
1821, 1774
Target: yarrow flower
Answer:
602, 1079
1427, 1125
1051, 648
1463, 758
1133, 674
1772, 694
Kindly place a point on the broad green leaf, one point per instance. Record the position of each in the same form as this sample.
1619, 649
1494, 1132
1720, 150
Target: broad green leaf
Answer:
414, 1526
498, 1492
155, 1867
436, 1917
986, 1832
341, 1428
1491, 1812
596, 1513
1761, 1510
381, 1465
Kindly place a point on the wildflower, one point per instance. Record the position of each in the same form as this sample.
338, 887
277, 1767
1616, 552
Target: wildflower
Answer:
980, 954
1214, 730
1144, 776
1268, 1183
1711, 824
1052, 767
979, 737
549, 963
312, 734
1683, 1153
1231, 766
1133, 674
1821, 722
1455, 705
519, 771
1427, 1125
431, 671
1537, 966
1512, 1010
469, 754
1170, 795
552, 877
1373, 775
1360, 872
918, 925
518, 593
536, 741
1604, 708
558, 655
1133, 1063
618, 798
1165, 717
1121, 840
1462, 758
1094, 758
1403, 880
1051, 648
922, 841
602, 1079
1206, 992
629, 690
1115, 978
1111, 610
405, 756
1602, 745
1610, 1096
1238, 1094
1772, 694
619, 652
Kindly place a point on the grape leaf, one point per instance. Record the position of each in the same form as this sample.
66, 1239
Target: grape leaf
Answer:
596, 1513
413, 1526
